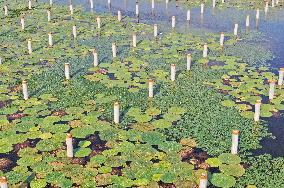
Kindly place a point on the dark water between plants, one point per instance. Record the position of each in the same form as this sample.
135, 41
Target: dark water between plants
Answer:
214, 20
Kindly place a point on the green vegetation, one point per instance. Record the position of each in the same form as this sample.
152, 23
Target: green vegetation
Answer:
161, 141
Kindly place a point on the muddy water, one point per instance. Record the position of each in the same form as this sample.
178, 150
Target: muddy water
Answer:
214, 20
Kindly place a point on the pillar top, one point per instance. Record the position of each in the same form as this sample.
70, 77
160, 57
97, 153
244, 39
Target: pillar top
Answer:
258, 101
151, 81
3, 179
272, 81
203, 176
116, 103
236, 132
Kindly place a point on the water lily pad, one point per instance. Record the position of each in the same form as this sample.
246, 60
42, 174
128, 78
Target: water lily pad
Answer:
161, 124
232, 170
84, 144
82, 152
229, 158
228, 103
153, 111
214, 162
222, 180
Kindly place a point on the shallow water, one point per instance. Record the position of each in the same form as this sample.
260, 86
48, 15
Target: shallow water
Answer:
215, 20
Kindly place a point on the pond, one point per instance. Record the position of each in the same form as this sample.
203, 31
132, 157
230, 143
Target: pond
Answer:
90, 101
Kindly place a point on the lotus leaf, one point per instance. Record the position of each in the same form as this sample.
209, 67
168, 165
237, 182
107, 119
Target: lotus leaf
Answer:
98, 159
168, 177
228, 103
169, 147
232, 170
82, 132
214, 162
229, 158
143, 118
161, 124
58, 178
38, 183
153, 138
48, 145
84, 144
82, 152
222, 180
153, 111
134, 111
105, 169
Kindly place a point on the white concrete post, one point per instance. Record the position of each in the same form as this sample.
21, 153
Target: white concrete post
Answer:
205, 50
3, 182
235, 141
257, 110
173, 72
222, 38
281, 77
119, 17
5, 10
50, 2
92, 4
99, 22
151, 88
74, 31
95, 56
134, 40
30, 46
30, 4
116, 113
113, 50
173, 22
266, 8
153, 4
188, 63
236, 29
71, 9
202, 8
67, 71
257, 15
271, 89
25, 90
203, 180
137, 10
50, 41
213, 3
247, 22
23, 23
155, 30
188, 15
69, 144
48, 15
